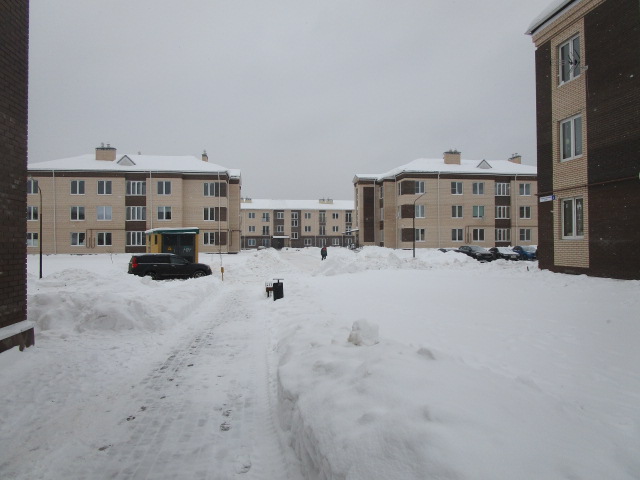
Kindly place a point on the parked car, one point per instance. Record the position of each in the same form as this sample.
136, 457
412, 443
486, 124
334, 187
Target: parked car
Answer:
526, 252
475, 251
506, 253
166, 265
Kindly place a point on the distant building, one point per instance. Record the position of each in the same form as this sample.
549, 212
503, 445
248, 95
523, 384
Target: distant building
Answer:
104, 203
449, 202
588, 128
14, 38
297, 223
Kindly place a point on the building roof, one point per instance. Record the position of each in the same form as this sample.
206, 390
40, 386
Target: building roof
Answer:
134, 163
549, 14
466, 167
265, 204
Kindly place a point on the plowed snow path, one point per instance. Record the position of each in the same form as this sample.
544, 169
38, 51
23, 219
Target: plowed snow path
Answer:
203, 409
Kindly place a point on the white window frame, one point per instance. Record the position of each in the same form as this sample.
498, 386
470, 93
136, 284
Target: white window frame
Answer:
335, 229
478, 211
136, 188
106, 187
164, 187
136, 214
32, 186
525, 234
503, 234
307, 215
77, 187
294, 235
79, 213
265, 230
104, 213
457, 235
420, 234
503, 212
335, 215
307, 242
252, 215
478, 188
525, 189
78, 239
335, 242
135, 239
266, 217
279, 228
525, 212
208, 238
104, 239
307, 228
457, 211
503, 189
33, 239
162, 212
209, 214
420, 188
212, 189
420, 211
32, 213
279, 215
571, 138
569, 60
577, 218
457, 188
322, 230
251, 242
478, 235
252, 228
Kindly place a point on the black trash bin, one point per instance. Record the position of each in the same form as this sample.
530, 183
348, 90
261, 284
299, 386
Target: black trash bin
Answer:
278, 290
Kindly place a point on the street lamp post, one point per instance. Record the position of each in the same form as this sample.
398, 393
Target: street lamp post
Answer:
414, 223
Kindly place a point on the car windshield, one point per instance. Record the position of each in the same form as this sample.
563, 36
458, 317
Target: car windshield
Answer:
477, 249
529, 249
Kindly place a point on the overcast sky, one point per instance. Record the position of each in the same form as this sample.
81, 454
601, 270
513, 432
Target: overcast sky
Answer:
300, 95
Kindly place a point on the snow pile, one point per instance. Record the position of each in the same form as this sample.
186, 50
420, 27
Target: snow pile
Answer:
363, 333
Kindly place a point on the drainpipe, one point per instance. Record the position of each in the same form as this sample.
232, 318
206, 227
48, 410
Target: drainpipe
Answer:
55, 209
438, 210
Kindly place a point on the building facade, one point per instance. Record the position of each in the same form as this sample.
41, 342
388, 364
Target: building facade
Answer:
588, 136
297, 223
433, 203
104, 203
15, 330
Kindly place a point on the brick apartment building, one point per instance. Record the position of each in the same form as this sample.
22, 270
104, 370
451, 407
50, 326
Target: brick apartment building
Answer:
449, 202
14, 48
588, 134
297, 223
104, 202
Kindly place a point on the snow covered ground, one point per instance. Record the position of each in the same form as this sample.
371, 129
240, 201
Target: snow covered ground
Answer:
374, 365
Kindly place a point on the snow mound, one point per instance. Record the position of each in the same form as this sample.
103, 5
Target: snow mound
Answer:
363, 333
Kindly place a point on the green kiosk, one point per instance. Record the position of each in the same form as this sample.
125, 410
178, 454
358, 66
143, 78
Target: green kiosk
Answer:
181, 241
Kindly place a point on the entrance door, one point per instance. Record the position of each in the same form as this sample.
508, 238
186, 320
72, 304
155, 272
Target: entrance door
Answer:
180, 244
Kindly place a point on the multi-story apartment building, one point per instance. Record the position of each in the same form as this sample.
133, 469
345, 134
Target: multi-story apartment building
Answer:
105, 202
588, 134
449, 202
296, 223
14, 38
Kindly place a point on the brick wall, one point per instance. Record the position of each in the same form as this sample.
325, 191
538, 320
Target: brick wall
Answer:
14, 18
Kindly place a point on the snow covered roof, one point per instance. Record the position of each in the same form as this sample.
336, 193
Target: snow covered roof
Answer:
550, 13
265, 204
135, 163
437, 165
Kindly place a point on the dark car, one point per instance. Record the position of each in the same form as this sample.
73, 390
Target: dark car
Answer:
526, 252
505, 253
475, 251
166, 265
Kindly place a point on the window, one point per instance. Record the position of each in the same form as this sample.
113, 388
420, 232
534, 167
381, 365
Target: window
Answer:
213, 189
164, 213
104, 187
135, 239
322, 218
419, 235
265, 230
77, 213
307, 242
136, 213
251, 242
164, 187
322, 230
335, 242
210, 214
136, 188
503, 234
525, 212
456, 235
478, 188
307, 228
307, 216
77, 187
279, 228
456, 211
525, 234
569, 60
503, 189
265, 216
209, 238
335, 215
252, 214
294, 222
419, 211
456, 188
32, 213
104, 213
265, 242
348, 216
478, 234
503, 212
572, 218
571, 137
280, 215
77, 239
381, 190
294, 235
32, 239
335, 229
32, 186
525, 189
252, 228
104, 239
478, 211
294, 215
419, 187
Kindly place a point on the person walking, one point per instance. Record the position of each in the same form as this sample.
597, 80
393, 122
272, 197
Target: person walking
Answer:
323, 253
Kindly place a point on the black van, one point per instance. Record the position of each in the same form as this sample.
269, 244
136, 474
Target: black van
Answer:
166, 265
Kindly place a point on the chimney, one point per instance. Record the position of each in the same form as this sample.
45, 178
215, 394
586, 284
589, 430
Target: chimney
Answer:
205, 157
107, 153
452, 157
516, 158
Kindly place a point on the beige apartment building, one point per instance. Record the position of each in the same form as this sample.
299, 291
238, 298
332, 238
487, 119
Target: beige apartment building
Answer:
297, 223
105, 202
445, 203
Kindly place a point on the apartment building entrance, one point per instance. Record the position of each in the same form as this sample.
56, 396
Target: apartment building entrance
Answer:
181, 241
280, 241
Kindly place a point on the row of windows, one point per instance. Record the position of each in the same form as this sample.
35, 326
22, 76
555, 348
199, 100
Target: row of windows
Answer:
266, 216
478, 234
104, 239
307, 229
308, 242
478, 211
104, 187
105, 213
457, 188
